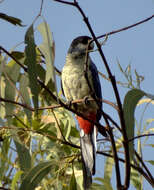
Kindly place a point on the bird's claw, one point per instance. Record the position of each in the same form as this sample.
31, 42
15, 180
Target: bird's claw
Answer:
69, 103
85, 100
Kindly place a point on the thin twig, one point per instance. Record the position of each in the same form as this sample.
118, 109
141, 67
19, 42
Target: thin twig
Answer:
10, 55
144, 166
139, 136
57, 105
65, 2
41, 7
17, 103
111, 120
24, 125
139, 169
56, 120
13, 85
126, 28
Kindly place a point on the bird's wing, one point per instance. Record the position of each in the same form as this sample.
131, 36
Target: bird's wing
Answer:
96, 84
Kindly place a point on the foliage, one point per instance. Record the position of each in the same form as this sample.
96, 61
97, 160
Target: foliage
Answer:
40, 146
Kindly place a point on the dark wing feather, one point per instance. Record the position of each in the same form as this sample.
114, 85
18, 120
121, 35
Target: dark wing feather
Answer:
98, 92
96, 84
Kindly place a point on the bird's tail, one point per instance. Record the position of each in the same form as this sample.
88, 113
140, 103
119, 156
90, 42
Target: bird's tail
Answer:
88, 153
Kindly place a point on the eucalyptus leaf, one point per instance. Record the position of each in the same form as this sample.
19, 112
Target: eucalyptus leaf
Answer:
11, 19
23, 86
48, 50
30, 61
11, 74
151, 162
108, 171
130, 102
15, 179
73, 184
35, 175
24, 157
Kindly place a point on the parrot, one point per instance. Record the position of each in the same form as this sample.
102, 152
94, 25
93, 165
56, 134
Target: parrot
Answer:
75, 86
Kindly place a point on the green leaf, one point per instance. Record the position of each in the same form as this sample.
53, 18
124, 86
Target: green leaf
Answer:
35, 175
11, 74
48, 50
17, 54
104, 184
108, 172
30, 61
151, 145
136, 179
24, 157
2, 95
13, 70
150, 161
73, 184
10, 19
15, 179
121, 69
4, 158
23, 86
130, 102
97, 186
148, 121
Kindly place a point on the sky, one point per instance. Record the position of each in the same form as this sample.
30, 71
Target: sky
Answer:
134, 46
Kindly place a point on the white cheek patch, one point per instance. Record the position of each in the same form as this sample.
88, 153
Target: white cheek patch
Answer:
81, 133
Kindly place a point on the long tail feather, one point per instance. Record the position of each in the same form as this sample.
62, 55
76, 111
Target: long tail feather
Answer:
88, 152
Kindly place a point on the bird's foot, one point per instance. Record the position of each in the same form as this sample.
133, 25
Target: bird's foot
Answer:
86, 100
69, 103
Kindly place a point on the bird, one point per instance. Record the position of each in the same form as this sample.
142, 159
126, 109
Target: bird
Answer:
76, 86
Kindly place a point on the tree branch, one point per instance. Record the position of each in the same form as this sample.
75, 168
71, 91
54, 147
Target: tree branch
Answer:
126, 28
139, 136
139, 169
144, 166
17, 103
113, 81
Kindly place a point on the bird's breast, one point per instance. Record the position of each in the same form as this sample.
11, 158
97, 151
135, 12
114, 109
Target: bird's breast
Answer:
74, 83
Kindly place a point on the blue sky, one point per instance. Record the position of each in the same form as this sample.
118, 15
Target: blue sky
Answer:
135, 46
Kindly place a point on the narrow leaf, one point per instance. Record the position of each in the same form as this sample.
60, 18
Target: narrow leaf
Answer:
35, 175
145, 100
15, 180
11, 74
136, 179
23, 85
17, 54
108, 170
24, 156
151, 162
73, 184
2, 94
130, 103
48, 50
30, 61
10, 19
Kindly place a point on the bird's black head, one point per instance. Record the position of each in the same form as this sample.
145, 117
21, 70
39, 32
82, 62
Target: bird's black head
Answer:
79, 45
